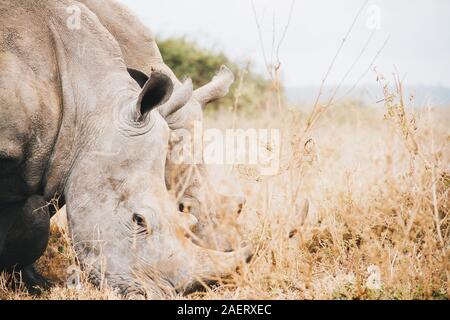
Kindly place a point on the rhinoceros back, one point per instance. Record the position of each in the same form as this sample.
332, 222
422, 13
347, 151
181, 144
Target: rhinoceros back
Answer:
29, 98
35, 36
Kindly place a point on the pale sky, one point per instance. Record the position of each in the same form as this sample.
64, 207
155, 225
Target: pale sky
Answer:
418, 31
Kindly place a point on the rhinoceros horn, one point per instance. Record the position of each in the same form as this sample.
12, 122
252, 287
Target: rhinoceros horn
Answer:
217, 88
188, 269
210, 265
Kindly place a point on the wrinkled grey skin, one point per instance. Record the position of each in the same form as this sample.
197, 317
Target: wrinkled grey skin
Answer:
73, 122
204, 195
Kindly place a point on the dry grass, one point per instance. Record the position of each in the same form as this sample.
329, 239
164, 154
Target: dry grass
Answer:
378, 183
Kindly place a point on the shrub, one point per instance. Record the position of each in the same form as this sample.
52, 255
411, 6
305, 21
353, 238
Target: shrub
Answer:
187, 58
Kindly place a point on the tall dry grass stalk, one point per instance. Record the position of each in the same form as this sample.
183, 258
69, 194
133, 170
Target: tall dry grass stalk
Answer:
377, 180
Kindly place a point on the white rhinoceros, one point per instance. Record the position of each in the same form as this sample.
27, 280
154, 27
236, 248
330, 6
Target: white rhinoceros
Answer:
74, 122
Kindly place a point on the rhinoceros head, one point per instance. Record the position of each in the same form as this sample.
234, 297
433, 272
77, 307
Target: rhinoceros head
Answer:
141, 52
126, 229
202, 190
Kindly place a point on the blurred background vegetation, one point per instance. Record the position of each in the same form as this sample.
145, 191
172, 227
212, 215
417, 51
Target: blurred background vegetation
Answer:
187, 58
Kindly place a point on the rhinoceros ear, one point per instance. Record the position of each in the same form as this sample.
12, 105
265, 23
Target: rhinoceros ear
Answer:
155, 92
140, 77
179, 98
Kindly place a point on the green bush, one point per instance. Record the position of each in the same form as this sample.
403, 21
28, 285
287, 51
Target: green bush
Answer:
187, 58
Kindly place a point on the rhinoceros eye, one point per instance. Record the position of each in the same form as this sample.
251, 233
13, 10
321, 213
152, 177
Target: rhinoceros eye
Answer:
139, 220
183, 208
